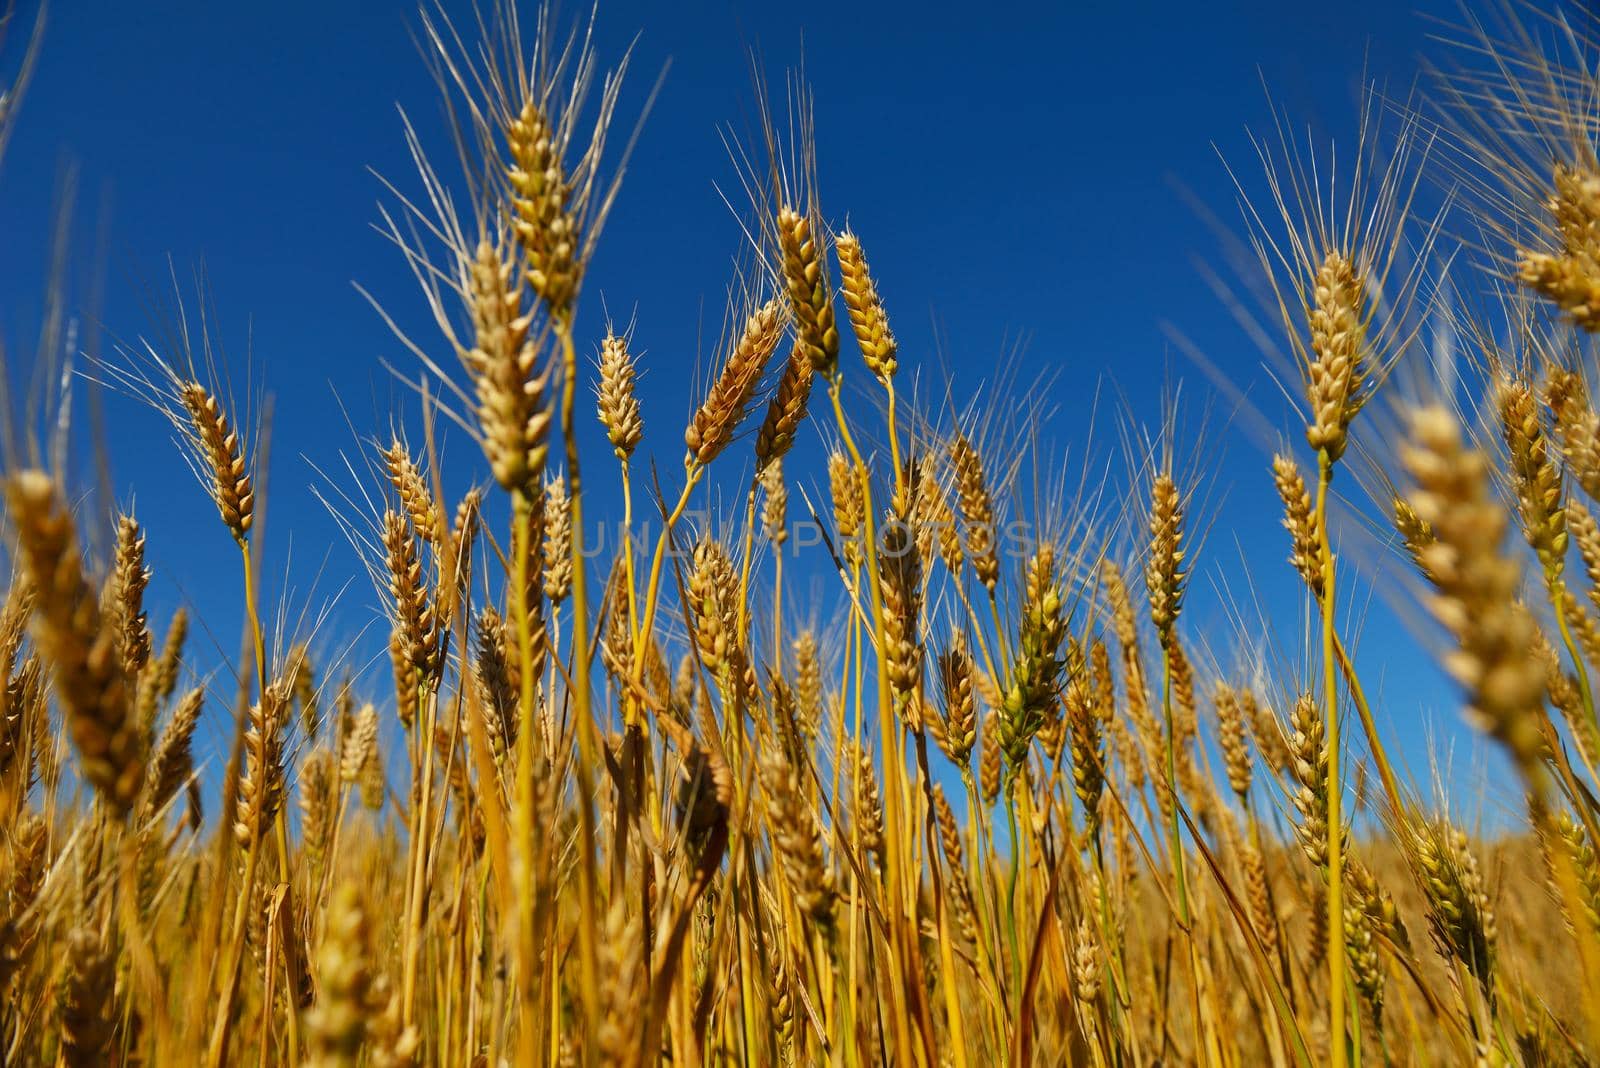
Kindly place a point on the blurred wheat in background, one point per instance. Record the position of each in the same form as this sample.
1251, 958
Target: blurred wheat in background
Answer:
613, 806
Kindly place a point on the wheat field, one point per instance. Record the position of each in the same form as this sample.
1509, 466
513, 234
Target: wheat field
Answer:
1006, 806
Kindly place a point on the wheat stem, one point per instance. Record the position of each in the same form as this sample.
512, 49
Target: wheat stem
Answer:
1336, 947
587, 756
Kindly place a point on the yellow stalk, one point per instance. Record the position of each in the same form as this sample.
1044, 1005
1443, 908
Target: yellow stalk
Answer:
589, 919
1336, 964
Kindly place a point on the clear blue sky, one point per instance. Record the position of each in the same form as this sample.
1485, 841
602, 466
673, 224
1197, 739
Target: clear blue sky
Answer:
1012, 169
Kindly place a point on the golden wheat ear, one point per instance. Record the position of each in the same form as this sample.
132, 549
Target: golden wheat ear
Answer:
977, 512
225, 454
617, 399
786, 410
78, 643
515, 399
405, 477
713, 424
1165, 574
805, 273
1476, 586
797, 841
868, 318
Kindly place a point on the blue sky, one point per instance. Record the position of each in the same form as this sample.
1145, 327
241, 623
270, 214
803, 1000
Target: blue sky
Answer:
1016, 173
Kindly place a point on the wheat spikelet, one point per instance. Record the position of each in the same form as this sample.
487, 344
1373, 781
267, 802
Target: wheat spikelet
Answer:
1185, 712
412, 489
557, 526
1088, 749
616, 400
783, 1012
867, 807
920, 484
1581, 852
372, 781
1129, 753
161, 674
261, 783
810, 296
89, 684
1101, 681
1476, 586
171, 761
1230, 735
1586, 535
775, 503
719, 415
317, 807
949, 831
1337, 370
1164, 573
1578, 426
468, 521
514, 399
940, 520
1415, 533
360, 742
712, 594
808, 692
1367, 914
14, 615
849, 512
230, 484
541, 195
977, 511
1317, 921
28, 858
1304, 553
1309, 750
407, 685
1123, 620
1459, 914
125, 596
900, 584
23, 719
1086, 964
1258, 897
786, 410
1565, 696
867, 317
1535, 476
302, 684
1584, 627
1265, 730
957, 732
950, 843
499, 680
1036, 668
416, 623
797, 841
1570, 278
